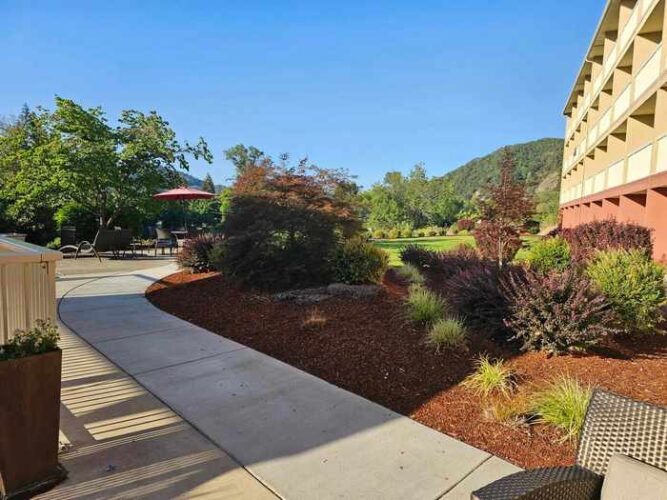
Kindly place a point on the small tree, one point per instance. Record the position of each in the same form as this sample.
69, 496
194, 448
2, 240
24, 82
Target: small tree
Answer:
504, 210
207, 184
283, 225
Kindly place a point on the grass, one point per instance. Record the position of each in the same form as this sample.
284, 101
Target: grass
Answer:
411, 274
446, 333
424, 306
490, 377
562, 404
393, 247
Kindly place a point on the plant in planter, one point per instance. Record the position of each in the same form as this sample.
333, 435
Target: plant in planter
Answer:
30, 371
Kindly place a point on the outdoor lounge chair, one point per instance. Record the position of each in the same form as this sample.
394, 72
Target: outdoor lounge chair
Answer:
164, 239
622, 447
116, 241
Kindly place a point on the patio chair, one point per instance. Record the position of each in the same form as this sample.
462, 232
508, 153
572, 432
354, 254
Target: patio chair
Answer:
164, 239
68, 236
622, 447
106, 240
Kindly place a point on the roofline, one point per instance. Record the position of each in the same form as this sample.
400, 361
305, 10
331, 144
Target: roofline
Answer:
588, 52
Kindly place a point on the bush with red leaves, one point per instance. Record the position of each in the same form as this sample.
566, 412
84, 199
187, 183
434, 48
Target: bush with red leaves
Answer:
587, 239
441, 264
497, 242
475, 295
465, 224
195, 254
556, 312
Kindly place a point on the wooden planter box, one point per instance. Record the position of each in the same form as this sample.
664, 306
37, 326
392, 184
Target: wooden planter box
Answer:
29, 423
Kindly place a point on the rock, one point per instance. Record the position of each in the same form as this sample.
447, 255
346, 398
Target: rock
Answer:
357, 291
304, 296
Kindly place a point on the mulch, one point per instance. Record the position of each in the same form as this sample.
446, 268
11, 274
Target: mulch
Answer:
369, 348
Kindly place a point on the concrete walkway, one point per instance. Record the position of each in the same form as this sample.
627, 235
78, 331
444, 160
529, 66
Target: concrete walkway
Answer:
299, 435
122, 442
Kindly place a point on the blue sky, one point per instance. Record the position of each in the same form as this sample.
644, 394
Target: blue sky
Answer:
367, 86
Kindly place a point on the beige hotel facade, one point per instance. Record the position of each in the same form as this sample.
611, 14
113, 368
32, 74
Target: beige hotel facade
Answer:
615, 156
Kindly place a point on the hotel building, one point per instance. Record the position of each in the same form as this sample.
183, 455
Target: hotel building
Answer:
615, 157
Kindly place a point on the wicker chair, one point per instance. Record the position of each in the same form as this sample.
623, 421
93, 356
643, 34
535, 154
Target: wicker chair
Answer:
613, 425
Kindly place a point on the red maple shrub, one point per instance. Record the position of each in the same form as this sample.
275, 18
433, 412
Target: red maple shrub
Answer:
283, 226
504, 209
587, 239
497, 241
465, 224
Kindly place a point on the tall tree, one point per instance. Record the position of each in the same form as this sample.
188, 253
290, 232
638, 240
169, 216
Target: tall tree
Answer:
207, 184
244, 157
504, 209
106, 170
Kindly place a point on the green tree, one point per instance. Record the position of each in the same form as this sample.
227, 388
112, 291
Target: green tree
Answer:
207, 184
73, 155
243, 157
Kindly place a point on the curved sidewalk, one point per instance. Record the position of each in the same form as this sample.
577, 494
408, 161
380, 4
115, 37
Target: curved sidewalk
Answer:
299, 435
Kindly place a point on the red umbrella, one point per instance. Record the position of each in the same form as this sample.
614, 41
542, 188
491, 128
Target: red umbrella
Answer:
184, 193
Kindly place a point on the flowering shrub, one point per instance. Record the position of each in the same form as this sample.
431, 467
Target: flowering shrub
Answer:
555, 312
634, 285
42, 338
196, 252
586, 239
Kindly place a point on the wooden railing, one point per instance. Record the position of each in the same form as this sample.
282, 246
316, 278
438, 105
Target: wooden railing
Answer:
27, 285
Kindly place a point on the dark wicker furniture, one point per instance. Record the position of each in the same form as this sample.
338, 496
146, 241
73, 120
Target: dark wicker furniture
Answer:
613, 425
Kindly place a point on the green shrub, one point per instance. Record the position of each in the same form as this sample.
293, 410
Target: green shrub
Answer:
394, 233
424, 306
379, 234
411, 274
549, 254
358, 262
406, 232
446, 333
634, 285
42, 338
490, 377
563, 404
54, 244
555, 312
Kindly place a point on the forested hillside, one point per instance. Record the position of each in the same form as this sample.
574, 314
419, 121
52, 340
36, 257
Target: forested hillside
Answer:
538, 163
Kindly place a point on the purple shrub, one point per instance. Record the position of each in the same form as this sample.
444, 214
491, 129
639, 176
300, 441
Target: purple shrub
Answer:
586, 239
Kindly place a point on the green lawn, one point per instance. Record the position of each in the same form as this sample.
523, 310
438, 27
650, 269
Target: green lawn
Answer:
393, 247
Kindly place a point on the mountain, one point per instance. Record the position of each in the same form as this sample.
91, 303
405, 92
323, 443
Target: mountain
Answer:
196, 182
538, 163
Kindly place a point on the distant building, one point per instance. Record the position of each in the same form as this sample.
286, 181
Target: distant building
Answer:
615, 161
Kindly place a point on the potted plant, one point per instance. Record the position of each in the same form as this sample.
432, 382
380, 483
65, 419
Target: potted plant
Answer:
30, 370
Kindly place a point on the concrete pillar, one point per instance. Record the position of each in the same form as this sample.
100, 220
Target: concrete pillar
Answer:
656, 219
610, 208
585, 214
632, 208
596, 210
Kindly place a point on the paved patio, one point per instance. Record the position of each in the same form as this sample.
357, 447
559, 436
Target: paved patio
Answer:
256, 419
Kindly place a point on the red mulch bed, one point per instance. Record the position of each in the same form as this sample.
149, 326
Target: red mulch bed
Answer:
365, 346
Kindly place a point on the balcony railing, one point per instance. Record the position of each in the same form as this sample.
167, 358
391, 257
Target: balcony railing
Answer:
645, 78
627, 34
